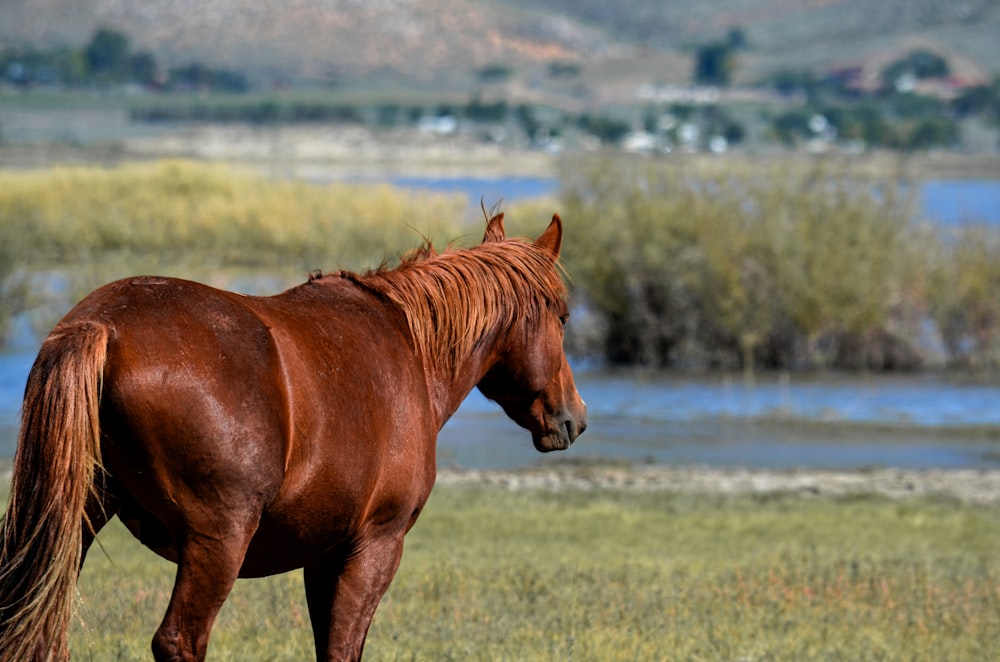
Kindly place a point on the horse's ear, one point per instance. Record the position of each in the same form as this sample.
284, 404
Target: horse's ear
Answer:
551, 239
494, 229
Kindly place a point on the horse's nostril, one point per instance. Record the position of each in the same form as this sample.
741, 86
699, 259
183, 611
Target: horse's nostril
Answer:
573, 429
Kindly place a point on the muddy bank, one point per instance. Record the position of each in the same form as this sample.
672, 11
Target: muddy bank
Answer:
967, 485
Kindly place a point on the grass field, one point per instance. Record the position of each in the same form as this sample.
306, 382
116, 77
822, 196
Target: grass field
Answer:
494, 574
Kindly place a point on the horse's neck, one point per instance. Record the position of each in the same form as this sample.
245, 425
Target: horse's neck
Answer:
450, 385
453, 337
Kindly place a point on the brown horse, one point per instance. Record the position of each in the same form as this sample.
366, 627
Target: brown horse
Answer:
246, 436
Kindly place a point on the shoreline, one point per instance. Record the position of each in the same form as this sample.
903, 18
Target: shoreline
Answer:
972, 486
969, 486
332, 152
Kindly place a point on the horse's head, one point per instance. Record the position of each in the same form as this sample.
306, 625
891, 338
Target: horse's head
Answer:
531, 378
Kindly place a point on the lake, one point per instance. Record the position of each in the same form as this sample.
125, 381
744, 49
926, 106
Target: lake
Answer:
961, 201
841, 422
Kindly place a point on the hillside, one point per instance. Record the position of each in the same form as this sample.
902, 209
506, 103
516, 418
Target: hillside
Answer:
309, 39
435, 40
802, 33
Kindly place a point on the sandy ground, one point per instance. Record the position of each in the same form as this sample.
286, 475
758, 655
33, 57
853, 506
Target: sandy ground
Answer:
967, 485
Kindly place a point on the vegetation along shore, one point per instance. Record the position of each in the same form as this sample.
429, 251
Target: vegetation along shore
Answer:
690, 264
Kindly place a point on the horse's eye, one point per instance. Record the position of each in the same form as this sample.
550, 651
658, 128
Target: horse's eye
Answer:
564, 319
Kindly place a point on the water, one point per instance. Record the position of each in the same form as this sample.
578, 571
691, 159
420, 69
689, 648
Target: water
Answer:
13, 373
819, 422
489, 190
961, 201
772, 422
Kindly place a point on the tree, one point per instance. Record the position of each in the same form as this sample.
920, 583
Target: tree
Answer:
979, 100
142, 68
608, 129
792, 125
493, 73
107, 52
714, 64
790, 81
932, 132
919, 64
737, 38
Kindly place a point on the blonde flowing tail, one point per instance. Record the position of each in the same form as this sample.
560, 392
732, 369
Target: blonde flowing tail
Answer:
58, 454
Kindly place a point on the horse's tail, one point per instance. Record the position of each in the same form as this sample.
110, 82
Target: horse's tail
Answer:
58, 455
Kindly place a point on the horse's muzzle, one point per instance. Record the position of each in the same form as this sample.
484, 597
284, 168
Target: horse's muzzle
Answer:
562, 431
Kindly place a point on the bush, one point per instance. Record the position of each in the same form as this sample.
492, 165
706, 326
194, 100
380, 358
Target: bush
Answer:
735, 267
965, 299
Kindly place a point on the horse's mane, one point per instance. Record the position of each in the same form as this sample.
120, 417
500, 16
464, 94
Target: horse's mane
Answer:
454, 298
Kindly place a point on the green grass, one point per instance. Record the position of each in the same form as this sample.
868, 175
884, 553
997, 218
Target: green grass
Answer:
490, 574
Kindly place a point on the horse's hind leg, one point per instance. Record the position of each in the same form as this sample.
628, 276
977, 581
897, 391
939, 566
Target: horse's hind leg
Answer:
206, 571
342, 594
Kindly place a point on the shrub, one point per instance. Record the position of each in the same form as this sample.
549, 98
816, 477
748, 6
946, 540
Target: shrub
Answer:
965, 299
731, 266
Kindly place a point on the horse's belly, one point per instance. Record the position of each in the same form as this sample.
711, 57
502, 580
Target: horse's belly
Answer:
290, 538
330, 519
273, 549
271, 555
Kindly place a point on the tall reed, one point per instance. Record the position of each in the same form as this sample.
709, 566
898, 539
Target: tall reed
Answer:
679, 263
83, 226
965, 298
174, 208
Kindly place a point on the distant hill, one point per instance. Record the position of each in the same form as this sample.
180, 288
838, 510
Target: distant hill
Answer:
313, 39
800, 33
442, 40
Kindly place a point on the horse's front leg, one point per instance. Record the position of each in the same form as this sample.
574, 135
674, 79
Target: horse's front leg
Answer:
343, 593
